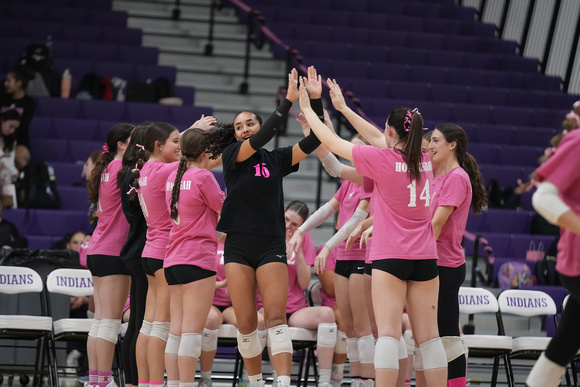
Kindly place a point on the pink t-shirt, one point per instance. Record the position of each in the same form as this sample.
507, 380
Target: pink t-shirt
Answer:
193, 238
112, 228
402, 223
220, 297
153, 177
562, 171
83, 254
369, 185
452, 189
327, 299
349, 195
296, 298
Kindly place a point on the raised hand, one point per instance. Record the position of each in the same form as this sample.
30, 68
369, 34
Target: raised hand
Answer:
328, 121
304, 124
204, 123
336, 95
313, 83
304, 97
292, 93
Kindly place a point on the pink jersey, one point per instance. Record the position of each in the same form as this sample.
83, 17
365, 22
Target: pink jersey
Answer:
562, 171
452, 189
296, 298
327, 299
220, 297
349, 195
402, 217
153, 177
83, 254
369, 185
193, 238
112, 228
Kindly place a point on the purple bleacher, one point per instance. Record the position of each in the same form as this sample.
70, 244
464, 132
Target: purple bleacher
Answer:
186, 93
75, 129
60, 222
187, 115
142, 55
369, 88
520, 155
41, 241
106, 17
494, 134
116, 69
138, 112
484, 153
18, 218
152, 72
127, 36
67, 15
507, 221
57, 107
64, 50
370, 20
409, 90
68, 174
82, 33
430, 74
98, 52
466, 76
49, 150
219, 176
81, 149
350, 35
78, 68
512, 115
488, 96
28, 12
104, 110
73, 198
103, 128
506, 175
39, 30
41, 127
449, 93
548, 117
520, 243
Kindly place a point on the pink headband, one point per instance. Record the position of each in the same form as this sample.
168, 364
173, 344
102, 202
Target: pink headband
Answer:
408, 117
105, 149
140, 146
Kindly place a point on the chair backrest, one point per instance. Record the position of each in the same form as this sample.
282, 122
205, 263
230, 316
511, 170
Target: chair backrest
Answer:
476, 300
313, 295
72, 282
18, 279
565, 301
526, 303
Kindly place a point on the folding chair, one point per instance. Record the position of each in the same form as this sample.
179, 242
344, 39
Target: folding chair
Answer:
479, 300
15, 280
313, 294
528, 303
76, 282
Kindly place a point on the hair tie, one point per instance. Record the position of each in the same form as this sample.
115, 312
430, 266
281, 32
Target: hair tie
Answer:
131, 190
105, 149
408, 117
140, 146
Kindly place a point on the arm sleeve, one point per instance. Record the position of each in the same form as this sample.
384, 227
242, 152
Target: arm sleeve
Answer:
316, 105
344, 232
311, 142
547, 202
332, 165
317, 218
268, 128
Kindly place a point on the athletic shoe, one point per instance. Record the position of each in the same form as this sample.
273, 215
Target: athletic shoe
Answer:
204, 383
112, 384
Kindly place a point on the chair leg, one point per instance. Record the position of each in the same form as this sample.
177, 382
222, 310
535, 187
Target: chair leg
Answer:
301, 367
495, 371
574, 371
509, 371
38, 364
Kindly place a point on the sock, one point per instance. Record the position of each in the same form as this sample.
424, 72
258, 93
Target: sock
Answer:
255, 379
186, 384
93, 377
337, 372
173, 383
143, 383
323, 376
156, 383
206, 375
283, 381
104, 378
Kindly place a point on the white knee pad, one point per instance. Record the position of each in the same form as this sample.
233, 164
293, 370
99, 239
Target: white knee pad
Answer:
279, 338
190, 345
545, 373
172, 347
433, 354
109, 330
386, 353
409, 341
417, 359
263, 336
453, 347
146, 327
352, 349
160, 330
249, 345
326, 336
94, 330
366, 349
340, 346
402, 348
209, 340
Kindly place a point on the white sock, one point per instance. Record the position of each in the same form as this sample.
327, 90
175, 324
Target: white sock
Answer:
323, 376
206, 374
255, 379
337, 372
545, 373
186, 384
283, 381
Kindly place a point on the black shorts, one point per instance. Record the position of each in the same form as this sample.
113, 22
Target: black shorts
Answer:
221, 308
151, 265
409, 269
105, 265
369, 268
254, 250
185, 274
347, 268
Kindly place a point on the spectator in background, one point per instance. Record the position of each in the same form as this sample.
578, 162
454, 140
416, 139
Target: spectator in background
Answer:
87, 173
9, 235
16, 99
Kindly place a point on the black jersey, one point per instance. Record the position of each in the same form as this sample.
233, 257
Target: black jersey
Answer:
255, 197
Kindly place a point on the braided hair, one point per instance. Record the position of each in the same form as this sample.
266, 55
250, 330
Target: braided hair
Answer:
194, 143
119, 132
409, 126
453, 132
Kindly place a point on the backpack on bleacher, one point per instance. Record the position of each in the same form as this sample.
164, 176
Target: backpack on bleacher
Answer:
37, 57
36, 187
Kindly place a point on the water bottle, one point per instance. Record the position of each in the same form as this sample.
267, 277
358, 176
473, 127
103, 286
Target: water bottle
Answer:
65, 84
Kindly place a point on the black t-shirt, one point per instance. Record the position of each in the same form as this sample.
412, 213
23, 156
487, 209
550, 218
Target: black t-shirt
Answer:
255, 197
132, 249
26, 107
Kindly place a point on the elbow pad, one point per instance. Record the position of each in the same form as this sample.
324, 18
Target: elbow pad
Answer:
317, 218
344, 232
332, 166
546, 200
309, 144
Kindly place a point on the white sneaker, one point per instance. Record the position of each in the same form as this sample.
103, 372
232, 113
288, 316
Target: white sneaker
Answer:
112, 383
204, 383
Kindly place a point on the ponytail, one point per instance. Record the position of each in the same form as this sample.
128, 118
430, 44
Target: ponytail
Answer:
176, 187
219, 138
409, 127
142, 157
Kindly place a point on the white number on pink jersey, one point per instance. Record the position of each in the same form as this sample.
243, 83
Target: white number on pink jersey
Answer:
143, 205
413, 194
